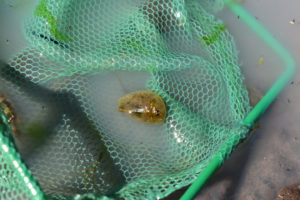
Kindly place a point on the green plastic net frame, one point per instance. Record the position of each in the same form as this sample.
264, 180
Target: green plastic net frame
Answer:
262, 105
21, 184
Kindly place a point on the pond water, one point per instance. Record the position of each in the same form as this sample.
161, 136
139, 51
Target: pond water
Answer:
270, 158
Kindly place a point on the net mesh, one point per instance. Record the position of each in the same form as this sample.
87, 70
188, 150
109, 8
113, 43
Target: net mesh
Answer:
85, 55
16, 181
10, 186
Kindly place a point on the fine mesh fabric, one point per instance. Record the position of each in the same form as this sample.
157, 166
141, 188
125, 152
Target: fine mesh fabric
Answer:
16, 181
83, 56
11, 187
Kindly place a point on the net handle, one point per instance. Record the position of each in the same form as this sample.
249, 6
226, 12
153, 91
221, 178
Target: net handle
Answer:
263, 104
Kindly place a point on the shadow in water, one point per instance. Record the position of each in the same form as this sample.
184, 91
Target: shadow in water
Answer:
60, 104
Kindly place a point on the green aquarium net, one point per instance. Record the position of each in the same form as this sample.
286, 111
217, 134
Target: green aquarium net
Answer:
63, 136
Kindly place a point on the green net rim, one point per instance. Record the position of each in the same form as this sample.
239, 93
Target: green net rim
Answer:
289, 64
22, 172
